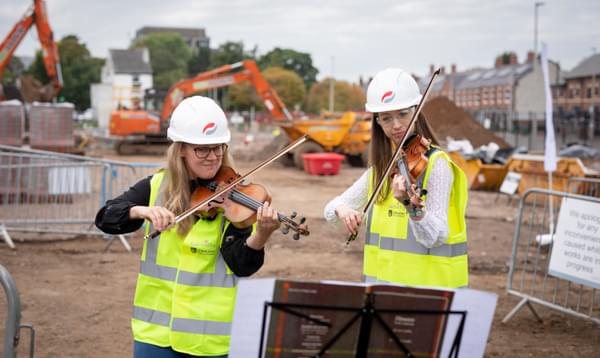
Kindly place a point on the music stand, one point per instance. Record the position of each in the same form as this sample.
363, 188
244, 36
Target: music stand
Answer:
366, 313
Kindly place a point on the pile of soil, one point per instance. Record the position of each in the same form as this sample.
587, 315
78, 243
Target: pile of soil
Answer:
448, 120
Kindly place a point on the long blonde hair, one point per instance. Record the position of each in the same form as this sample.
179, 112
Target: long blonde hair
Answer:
382, 150
177, 192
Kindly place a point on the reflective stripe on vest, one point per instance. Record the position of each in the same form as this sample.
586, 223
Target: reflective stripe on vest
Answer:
399, 258
181, 324
219, 278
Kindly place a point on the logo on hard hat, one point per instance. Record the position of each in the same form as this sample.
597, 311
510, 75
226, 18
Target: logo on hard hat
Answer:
209, 128
387, 97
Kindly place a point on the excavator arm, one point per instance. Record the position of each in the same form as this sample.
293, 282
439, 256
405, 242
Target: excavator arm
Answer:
36, 14
225, 76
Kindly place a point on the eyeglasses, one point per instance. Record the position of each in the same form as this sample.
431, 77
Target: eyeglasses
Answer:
387, 119
204, 152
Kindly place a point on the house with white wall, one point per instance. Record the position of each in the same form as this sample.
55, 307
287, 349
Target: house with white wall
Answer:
126, 75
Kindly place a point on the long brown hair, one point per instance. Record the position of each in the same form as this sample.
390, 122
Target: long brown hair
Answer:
177, 192
382, 149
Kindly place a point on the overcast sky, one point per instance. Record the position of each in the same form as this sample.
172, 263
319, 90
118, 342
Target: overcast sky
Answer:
362, 36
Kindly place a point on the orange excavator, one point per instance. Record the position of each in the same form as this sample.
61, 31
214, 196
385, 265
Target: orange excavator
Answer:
36, 14
144, 132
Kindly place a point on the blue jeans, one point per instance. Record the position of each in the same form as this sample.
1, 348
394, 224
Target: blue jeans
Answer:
145, 350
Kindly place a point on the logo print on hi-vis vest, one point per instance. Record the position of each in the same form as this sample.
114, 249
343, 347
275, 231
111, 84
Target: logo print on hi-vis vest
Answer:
387, 97
209, 128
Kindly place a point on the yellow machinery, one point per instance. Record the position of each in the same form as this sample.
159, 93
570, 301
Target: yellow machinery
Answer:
348, 134
531, 167
480, 176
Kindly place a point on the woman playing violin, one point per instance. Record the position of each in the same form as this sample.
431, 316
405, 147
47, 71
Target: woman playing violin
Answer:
416, 233
186, 287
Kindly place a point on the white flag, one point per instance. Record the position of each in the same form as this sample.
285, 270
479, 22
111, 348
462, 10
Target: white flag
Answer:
550, 149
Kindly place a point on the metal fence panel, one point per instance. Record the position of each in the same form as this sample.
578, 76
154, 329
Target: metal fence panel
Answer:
528, 276
59, 193
12, 331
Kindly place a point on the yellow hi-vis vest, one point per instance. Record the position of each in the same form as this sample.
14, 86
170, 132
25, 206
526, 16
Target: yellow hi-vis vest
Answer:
185, 293
392, 253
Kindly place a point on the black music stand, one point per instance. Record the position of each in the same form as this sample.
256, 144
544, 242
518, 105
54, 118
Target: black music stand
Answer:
367, 313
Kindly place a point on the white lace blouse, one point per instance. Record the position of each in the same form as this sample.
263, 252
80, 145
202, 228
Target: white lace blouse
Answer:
432, 229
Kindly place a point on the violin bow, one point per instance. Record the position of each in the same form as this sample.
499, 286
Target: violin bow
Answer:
397, 153
231, 185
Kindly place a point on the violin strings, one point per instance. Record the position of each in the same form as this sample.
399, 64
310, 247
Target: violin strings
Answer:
255, 204
252, 203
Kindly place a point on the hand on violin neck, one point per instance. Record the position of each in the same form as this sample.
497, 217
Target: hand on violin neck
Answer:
407, 196
399, 188
267, 222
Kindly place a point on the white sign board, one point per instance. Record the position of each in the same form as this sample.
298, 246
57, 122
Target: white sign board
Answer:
510, 184
576, 250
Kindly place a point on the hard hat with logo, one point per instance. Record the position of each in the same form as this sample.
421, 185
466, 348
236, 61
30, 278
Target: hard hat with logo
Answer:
198, 120
392, 89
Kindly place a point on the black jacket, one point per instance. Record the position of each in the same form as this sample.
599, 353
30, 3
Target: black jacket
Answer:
113, 218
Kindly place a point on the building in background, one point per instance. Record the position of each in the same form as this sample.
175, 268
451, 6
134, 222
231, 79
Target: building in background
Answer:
126, 76
509, 90
195, 38
577, 95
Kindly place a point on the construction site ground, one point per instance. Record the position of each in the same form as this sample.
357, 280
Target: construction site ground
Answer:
79, 296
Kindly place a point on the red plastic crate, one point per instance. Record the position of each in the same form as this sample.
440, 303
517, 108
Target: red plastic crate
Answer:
322, 163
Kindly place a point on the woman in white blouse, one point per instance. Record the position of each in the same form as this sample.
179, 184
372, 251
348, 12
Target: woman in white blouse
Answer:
405, 244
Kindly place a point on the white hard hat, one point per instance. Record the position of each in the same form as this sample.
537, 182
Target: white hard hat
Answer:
392, 89
198, 120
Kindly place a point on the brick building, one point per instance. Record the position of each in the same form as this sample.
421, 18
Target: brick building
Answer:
508, 90
577, 95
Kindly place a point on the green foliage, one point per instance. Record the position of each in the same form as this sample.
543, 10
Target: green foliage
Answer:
169, 56
347, 97
241, 96
199, 62
299, 62
287, 84
13, 70
230, 52
37, 68
79, 70
505, 57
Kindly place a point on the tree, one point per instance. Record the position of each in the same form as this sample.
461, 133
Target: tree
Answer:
347, 97
230, 52
169, 56
506, 58
299, 62
12, 71
287, 84
79, 70
199, 62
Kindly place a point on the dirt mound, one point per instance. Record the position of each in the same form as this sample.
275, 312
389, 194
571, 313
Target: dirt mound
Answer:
448, 120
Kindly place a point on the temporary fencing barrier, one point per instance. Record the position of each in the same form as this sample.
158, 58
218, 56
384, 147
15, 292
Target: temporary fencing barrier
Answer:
57, 193
529, 276
13, 319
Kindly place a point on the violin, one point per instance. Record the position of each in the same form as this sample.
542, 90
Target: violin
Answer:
414, 156
240, 204
220, 191
412, 164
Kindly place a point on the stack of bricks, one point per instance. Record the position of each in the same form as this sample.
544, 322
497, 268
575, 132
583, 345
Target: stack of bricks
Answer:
51, 125
12, 123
